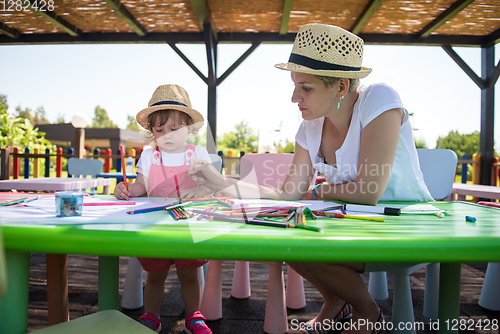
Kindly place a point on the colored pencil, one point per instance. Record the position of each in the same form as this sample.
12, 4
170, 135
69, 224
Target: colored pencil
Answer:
205, 199
341, 215
255, 221
123, 168
108, 203
178, 187
155, 208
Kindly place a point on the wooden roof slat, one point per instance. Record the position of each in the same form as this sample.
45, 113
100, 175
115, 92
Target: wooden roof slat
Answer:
285, 17
447, 15
54, 18
238, 62
204, 15
11, 32
126, 16
367, 13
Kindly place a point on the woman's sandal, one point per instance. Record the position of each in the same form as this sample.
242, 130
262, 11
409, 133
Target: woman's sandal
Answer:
378, 329
308, 327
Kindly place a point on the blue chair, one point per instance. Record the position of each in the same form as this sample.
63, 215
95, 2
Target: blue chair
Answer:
438, 167
85, 167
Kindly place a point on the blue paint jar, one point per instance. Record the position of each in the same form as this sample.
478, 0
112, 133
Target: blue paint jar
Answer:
69, 203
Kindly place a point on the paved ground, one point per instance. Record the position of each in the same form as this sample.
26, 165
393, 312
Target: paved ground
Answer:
239, 316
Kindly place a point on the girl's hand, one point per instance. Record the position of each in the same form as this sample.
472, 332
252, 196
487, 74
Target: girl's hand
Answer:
308, 195
121, 192
203, 173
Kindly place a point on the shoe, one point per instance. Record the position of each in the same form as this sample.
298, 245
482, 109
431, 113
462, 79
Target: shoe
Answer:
308, 327
150, 321
195, 324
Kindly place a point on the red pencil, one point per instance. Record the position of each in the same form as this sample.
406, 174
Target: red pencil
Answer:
123, 168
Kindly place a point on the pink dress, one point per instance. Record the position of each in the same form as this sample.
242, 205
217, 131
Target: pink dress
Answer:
161, 183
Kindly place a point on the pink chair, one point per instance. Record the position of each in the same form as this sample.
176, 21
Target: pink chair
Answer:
268, 170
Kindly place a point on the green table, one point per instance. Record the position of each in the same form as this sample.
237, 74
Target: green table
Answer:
408, 238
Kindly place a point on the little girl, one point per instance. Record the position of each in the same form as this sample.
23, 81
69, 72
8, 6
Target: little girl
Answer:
170, 119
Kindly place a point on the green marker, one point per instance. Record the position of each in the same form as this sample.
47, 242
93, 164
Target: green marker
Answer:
306, 227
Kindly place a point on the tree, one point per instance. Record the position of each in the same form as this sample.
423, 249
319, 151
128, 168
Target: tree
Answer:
242, 139
466, 143
19, 132
101, 119
60, 119
420, 143
132, 124
34, 117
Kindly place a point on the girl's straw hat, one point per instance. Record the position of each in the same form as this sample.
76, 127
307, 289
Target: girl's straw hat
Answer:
170, 97
326, 50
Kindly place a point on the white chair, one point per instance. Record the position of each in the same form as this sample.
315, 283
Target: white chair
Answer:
132, 296
438, 168
490, 293
85, 167
268, 170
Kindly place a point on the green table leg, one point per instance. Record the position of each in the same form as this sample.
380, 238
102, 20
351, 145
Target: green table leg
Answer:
14, 305
449, 297
108, 283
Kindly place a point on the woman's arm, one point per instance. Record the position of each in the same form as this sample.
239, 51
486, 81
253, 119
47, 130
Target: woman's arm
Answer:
294, 187
379, 141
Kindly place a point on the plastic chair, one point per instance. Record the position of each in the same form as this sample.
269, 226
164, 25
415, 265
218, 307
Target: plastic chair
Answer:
268, 170
85, 167
132, 296
490, 293
438, 168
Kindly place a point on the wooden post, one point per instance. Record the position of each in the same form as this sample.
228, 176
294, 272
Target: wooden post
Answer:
476, 172
494, 173
36, 163
27, 164
4, 163
59, 162
107, 161
15, 163
464, 168
79, 143
229, 163
47, 163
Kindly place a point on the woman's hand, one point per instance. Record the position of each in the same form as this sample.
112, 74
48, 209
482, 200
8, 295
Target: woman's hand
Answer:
121, 191
196, 192
203, 173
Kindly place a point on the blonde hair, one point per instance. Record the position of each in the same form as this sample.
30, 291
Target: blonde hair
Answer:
330, 81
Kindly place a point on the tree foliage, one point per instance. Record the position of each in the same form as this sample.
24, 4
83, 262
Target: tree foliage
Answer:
19, 131
460, 143
101, 119
132, 124
242, 139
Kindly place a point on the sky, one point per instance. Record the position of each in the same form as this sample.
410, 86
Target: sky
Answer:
121, 78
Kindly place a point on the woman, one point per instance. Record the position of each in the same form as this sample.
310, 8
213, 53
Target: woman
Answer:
360, 139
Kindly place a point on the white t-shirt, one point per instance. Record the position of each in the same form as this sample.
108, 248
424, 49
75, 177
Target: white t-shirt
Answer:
406, 182
169, 159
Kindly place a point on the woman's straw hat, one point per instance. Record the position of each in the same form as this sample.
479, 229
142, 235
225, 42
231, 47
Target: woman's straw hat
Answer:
326, 50
170, 97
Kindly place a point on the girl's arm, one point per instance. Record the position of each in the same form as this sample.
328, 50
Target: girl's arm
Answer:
138, 188
379, 141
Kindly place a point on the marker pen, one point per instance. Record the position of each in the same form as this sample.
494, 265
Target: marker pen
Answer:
373, 209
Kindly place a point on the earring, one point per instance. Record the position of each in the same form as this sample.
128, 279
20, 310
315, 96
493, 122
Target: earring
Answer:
340, 100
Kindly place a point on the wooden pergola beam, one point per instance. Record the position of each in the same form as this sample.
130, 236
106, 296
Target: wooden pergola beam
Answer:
51, 16
285, 17
11, 32
463, 65
445, 16
126, 16
365, 15
204, 15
